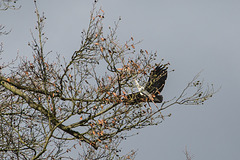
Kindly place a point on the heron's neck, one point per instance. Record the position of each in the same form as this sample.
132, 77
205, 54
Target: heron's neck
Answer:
140, 88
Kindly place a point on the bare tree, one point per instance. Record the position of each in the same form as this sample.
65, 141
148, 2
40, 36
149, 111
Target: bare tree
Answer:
8, 4
187, 154
51, 107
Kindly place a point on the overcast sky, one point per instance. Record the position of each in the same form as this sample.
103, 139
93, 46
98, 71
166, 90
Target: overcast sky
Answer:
192, 35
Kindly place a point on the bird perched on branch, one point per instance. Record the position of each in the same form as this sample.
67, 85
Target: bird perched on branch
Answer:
152, 90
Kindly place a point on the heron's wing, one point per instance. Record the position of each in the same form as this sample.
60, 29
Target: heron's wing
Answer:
157, 80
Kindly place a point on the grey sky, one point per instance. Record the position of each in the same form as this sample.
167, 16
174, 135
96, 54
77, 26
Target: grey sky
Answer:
192, 35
